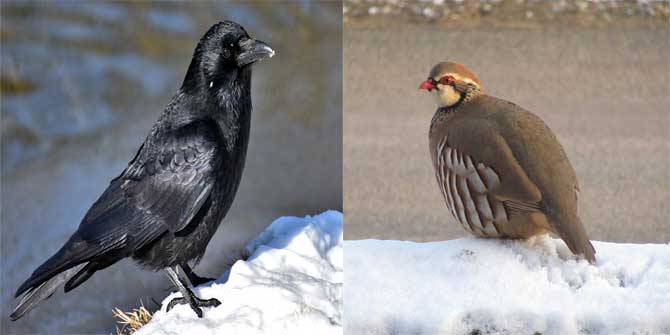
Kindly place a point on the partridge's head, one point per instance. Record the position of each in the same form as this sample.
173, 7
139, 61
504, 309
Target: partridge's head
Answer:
449, 82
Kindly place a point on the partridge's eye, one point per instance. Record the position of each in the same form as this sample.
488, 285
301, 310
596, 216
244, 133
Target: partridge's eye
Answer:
447, 80
226, 53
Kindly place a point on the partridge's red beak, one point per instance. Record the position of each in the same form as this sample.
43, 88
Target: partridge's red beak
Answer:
426, 85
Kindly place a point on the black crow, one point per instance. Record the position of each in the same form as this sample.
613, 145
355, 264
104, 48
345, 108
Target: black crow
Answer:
165, 206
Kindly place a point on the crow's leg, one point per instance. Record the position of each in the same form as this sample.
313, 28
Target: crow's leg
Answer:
187, 296
194, 278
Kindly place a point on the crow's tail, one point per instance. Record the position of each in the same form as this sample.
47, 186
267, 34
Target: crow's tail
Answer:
33, 296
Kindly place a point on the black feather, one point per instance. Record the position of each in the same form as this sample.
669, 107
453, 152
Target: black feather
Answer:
163, 209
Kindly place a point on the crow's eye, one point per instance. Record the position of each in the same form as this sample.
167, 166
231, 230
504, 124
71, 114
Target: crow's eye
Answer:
226, 53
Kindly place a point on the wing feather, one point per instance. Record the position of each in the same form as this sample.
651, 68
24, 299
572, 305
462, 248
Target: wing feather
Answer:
161, 190
484, 180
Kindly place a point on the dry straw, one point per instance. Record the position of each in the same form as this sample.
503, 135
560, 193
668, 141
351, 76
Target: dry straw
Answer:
131, 321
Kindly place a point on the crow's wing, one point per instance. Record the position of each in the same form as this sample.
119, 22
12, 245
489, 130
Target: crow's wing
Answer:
161, 190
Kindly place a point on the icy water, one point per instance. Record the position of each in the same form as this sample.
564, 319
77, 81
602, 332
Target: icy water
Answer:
82, 83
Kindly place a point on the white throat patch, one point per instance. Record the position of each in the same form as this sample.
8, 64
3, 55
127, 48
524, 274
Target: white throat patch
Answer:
446, 95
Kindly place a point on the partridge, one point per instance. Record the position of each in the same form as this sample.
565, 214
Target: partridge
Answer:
501, 170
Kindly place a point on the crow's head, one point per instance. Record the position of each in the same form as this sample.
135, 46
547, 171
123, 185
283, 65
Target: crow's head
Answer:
224, 56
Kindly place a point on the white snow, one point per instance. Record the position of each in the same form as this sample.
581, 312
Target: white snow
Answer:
291, 284
477, 286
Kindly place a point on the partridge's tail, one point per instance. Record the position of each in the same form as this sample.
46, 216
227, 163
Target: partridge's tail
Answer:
571, 230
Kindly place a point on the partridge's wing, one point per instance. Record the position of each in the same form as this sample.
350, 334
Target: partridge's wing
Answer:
479, 177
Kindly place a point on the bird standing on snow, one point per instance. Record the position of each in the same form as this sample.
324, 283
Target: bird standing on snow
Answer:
500, 169
166, 205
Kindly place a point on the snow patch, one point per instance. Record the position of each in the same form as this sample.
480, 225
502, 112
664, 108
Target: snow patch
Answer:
291, 283
478, 286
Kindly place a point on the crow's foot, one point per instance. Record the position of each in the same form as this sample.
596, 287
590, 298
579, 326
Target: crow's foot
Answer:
194, 302
197, 280
194, 278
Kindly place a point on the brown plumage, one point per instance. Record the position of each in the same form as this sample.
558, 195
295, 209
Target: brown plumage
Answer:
501, 170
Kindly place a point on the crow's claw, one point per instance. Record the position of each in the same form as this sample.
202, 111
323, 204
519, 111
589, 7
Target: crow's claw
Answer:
194, 302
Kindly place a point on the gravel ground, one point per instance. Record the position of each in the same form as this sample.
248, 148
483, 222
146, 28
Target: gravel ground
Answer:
514, 12
605, 92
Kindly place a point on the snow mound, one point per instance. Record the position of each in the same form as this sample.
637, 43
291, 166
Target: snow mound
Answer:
291, 283
477, 286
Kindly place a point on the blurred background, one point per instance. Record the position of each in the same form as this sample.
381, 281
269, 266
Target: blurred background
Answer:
81, 85
597, 72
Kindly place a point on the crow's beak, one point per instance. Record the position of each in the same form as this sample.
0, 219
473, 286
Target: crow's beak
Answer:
253, 51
